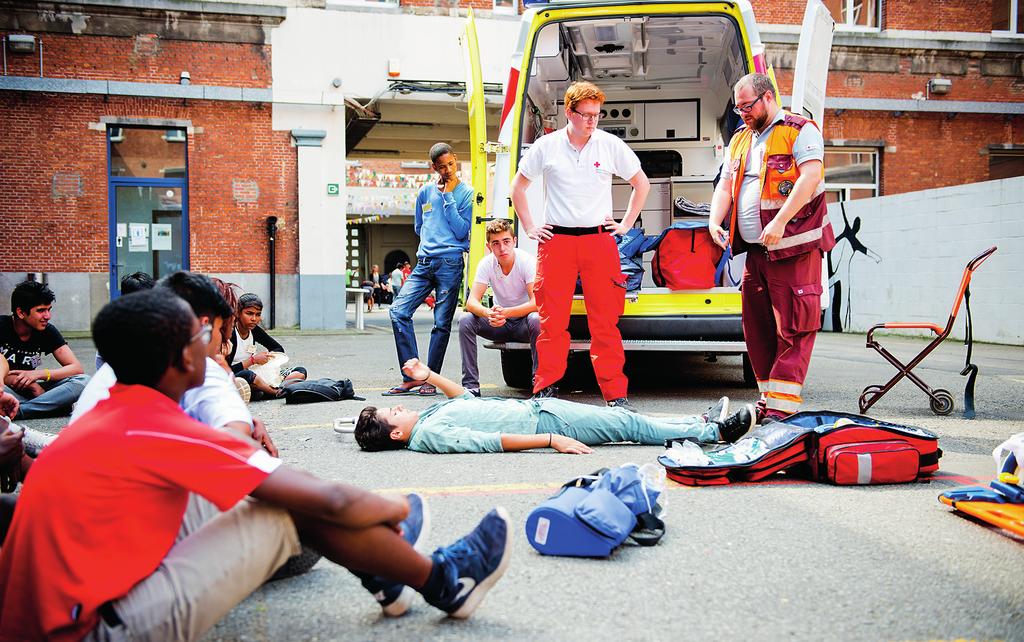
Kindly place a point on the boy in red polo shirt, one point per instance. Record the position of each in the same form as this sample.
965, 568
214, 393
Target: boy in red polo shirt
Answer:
105, 543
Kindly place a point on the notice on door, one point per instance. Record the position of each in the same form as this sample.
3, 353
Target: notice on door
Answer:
161, 236
138, 237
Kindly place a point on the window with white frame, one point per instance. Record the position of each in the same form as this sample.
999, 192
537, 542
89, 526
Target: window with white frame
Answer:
506, 6
850, 173
1008, 17
856, 15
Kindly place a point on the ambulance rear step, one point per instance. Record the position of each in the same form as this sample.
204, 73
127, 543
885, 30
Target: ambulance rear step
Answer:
650, 345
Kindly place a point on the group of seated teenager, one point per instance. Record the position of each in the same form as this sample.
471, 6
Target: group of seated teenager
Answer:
168, 475
214, 513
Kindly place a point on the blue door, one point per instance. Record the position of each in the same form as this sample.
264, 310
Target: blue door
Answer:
148, 196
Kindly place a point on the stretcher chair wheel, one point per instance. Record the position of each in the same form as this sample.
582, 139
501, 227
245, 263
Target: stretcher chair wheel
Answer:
870, 392
941, 402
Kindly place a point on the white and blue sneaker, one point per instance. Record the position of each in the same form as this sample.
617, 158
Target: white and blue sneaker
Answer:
395, 598
473, 564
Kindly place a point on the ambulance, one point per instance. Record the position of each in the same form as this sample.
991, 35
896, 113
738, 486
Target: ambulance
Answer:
668, 69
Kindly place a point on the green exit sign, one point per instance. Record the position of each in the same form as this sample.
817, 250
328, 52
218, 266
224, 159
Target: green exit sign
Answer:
333, 189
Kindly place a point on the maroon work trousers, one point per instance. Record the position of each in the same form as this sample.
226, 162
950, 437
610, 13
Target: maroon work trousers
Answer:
781, 317
595, 258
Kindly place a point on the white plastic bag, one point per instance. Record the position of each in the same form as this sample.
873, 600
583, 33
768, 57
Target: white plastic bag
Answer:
271, 370
1014, 445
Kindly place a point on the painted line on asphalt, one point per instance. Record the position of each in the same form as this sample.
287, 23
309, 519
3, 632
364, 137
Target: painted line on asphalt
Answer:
473, 490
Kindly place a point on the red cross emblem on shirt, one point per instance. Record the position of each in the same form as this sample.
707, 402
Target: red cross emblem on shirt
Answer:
597, 164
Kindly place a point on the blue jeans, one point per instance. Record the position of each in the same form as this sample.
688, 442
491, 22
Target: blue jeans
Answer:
55, 402
443, 274
594, 425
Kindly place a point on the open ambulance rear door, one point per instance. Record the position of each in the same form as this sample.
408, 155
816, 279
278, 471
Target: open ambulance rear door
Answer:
809, 78
812, 56
477, 139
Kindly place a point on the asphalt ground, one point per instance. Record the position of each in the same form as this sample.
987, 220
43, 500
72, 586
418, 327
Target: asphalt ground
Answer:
777, 560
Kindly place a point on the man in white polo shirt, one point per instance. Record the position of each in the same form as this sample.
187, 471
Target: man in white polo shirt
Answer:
510, 273
577, 163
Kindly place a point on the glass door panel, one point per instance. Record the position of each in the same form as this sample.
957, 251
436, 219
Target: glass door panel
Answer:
148, 235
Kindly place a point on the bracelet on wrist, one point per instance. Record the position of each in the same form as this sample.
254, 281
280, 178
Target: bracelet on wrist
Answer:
550, 435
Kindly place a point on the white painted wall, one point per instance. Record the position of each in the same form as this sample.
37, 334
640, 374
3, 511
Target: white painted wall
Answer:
314, 46
918, 245
314, 50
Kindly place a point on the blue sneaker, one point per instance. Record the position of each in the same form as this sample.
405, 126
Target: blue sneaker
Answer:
473, 564
395, 599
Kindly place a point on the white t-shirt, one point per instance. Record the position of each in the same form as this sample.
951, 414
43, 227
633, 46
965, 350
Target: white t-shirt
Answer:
808, 146
216, 403
509, 289
578, 184
245, 347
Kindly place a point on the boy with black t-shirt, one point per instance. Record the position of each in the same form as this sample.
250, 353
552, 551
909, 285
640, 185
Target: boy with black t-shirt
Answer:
26, 336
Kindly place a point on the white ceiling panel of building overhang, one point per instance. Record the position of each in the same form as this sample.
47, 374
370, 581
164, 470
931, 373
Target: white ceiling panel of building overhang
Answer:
408, 127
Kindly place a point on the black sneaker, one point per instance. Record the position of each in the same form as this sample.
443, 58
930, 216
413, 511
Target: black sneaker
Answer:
737, 424
473, 391
474, 564
550, 392
718, 411
394, 598
621, 402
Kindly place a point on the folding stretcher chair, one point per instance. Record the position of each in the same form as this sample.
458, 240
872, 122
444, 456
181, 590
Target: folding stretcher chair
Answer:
941, 401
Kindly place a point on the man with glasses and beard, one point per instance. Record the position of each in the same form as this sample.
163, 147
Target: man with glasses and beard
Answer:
771, 188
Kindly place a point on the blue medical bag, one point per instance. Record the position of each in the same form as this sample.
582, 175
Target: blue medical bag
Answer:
592, 515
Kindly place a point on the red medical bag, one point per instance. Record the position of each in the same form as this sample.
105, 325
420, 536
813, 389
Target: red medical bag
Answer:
686, 257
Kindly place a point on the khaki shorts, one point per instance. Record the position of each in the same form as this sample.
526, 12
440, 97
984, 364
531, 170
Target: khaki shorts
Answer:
218, 560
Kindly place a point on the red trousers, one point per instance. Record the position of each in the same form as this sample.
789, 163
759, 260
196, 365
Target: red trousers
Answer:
595, 258
781, 317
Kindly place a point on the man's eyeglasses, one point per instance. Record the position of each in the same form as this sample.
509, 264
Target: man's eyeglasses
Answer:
745, 109
587, 117
205, 334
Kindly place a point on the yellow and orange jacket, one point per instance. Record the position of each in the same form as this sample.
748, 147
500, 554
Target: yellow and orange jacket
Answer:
810, 229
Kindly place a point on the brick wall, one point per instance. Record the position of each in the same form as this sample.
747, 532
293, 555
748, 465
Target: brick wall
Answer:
924, 151
947, 15
925, 15
47, 225
903, 83
146, 58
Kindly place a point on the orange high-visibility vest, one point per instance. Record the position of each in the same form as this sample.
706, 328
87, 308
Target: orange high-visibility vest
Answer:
810, 229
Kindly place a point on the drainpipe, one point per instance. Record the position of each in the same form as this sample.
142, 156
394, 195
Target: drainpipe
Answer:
271, 234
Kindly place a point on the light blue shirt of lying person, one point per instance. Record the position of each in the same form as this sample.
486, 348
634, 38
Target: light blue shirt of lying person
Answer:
468, 424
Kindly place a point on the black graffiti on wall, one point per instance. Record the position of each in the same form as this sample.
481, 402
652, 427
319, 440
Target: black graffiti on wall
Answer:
838, 314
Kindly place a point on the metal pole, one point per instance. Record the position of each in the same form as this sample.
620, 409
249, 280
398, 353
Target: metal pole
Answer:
271, 235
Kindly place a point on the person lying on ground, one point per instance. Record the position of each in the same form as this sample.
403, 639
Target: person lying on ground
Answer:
469, 424
26, 337
244, 354
180, 569
215, 403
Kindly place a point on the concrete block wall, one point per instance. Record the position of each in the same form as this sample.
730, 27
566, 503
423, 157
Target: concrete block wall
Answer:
912, 250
